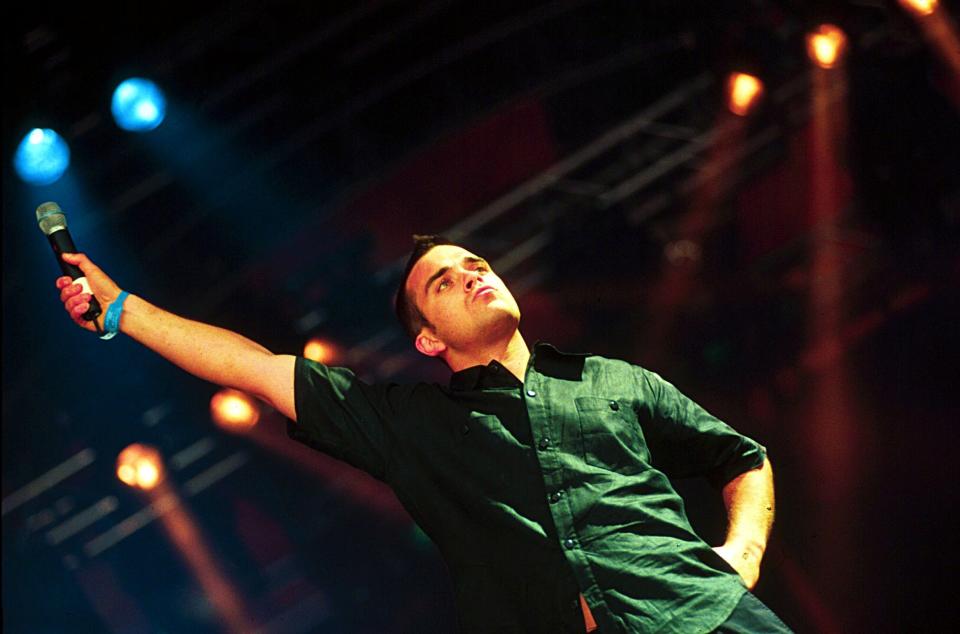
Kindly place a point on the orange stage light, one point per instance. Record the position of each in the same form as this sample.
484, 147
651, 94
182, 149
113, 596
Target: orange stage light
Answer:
920, 7
140, 466
743, 91
234, 410
940, 32
826, 45
321, 351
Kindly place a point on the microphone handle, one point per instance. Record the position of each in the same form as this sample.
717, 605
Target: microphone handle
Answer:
62, 243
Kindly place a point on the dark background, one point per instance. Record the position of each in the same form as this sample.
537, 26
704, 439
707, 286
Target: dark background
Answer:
304, 144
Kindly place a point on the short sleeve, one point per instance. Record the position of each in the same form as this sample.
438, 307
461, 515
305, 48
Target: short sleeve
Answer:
342, 416
686, 441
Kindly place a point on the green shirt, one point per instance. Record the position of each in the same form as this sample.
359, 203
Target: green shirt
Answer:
538, 491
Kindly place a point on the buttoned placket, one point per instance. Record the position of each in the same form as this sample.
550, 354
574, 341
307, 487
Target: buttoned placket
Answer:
546, 438
544, 435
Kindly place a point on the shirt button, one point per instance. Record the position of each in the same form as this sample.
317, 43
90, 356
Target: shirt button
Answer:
544, 444
466, 428
555, 497
569, 544
614, 405
531, 393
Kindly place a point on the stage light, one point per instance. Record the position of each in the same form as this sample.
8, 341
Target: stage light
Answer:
920, 7
940, 33
234, 410
743, 91
138, 105
682, 252
321, 351
140, 466
42, 157
825, 45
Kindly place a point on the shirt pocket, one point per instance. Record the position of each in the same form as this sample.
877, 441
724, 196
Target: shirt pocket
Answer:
611, 436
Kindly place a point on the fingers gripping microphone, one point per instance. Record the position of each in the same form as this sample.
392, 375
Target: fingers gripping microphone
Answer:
53, 223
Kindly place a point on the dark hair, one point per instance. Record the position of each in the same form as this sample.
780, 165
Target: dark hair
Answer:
408, 312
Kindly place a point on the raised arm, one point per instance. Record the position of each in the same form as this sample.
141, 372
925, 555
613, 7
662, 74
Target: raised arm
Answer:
749, 501
208, 352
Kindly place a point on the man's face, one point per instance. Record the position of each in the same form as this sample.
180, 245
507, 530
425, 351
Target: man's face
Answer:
464, 300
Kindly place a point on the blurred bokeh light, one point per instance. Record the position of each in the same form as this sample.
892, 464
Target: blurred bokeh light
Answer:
42, 157
140, 466
234, 410
138, 105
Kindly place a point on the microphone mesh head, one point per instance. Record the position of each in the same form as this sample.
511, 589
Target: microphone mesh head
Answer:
51, 218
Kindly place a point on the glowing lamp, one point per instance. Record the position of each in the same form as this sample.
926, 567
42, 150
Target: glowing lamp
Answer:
42, 157
743, 92
825, 45
138, 105
234, 410
140, 466
321, 351
920, 7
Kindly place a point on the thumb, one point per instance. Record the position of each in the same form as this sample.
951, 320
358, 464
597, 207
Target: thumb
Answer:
90, 270
78, 259
103, 287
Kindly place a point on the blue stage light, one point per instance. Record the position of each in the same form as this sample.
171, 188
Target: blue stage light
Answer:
138, 105
42, 157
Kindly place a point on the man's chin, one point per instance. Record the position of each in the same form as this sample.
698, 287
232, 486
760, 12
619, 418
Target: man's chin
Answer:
499, 323
499, 304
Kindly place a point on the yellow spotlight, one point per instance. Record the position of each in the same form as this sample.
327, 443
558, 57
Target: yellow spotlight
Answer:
920, 7
234, 410
825, 45
140, 466
743, 91
321, 351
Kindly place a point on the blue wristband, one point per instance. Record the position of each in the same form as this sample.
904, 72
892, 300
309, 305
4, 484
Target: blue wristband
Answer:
111, 323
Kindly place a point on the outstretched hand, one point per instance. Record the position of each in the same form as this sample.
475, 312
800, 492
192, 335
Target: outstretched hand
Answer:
75, 301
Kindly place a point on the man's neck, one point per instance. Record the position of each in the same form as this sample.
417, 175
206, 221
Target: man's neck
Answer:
512, 354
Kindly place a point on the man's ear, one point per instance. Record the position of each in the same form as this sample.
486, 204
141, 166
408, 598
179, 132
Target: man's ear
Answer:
428, 344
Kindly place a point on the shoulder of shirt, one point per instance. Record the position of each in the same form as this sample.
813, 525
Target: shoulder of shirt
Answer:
546, 349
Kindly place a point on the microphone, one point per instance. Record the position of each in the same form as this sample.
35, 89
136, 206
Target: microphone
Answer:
53, 224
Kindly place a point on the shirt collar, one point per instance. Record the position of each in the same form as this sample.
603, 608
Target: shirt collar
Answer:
546, 359
483, 376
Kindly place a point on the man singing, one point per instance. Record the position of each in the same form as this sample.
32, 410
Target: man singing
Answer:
542, 476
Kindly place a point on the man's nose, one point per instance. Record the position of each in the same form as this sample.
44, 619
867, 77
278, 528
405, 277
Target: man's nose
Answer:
472, 277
